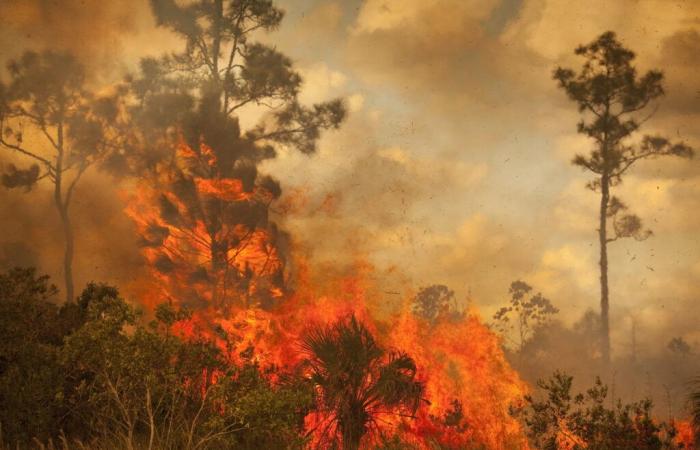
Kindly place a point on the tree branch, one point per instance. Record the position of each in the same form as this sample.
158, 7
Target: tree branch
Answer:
21, 150
71, 187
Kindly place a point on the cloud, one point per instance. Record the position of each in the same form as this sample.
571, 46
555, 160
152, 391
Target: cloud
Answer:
324, 18
419, 44
568, 274
356, 102
321, 82
575, 211
680, 109
554, 28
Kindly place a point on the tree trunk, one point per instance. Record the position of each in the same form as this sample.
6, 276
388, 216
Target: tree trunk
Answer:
604, 293
151, 420
62, 207
68, 254
351, 424
351, 441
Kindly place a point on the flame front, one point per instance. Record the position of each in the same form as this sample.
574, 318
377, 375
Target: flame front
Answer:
205, 236
208, 245
469, 385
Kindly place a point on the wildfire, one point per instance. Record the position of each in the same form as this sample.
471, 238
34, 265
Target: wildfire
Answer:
206, 237
203, 251
686, 434
469, 384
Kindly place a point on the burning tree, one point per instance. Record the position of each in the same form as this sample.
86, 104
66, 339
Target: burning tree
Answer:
610, 96
208, 239
211, 235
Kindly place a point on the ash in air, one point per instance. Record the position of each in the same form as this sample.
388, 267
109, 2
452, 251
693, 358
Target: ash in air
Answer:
366, 224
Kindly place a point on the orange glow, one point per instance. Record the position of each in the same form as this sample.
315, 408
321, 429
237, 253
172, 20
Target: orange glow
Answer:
686, 434
460, 362
196, 258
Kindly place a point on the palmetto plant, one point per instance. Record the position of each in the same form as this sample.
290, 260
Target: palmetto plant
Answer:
357, 382
695, 408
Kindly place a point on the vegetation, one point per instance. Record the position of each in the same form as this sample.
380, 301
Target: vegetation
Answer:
50, 117
695, 409
436, 302
357, 381
93, 372
610, 97
562, 419
524, 313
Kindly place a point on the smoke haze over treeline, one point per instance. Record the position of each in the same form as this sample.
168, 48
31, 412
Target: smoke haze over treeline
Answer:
453, 166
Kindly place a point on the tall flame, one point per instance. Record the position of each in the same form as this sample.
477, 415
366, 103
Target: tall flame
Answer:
469, 384
463, 367
196, 254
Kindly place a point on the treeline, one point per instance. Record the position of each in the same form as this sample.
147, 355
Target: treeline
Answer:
536, 342
96, 374
92, 372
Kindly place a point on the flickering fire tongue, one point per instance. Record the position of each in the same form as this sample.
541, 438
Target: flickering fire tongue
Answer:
209, 247
206, 237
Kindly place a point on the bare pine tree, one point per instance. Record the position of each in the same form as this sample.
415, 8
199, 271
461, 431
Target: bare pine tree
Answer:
612, 100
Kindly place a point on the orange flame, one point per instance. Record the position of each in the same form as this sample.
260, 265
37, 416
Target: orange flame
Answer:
462, 363
686, 434
196, 258
469, 384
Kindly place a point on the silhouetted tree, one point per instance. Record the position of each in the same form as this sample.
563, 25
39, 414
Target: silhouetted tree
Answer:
679, 346
357, 381
48, 115
213, 198
610, 96
524, 313
435, 302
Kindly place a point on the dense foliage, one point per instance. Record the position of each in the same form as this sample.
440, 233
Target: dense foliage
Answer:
357, 382
91, 371
590, 420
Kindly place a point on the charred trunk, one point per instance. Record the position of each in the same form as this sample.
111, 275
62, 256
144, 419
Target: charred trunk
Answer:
604, 293
352, 425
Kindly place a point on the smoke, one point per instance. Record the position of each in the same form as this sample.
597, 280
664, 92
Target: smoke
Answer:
453, 167
106, 248
650, 366
108, 39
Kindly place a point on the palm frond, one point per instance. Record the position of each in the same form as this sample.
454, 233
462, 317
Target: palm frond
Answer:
397, 384
355, 379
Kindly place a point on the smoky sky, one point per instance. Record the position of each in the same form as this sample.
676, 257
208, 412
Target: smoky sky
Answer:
453, 166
